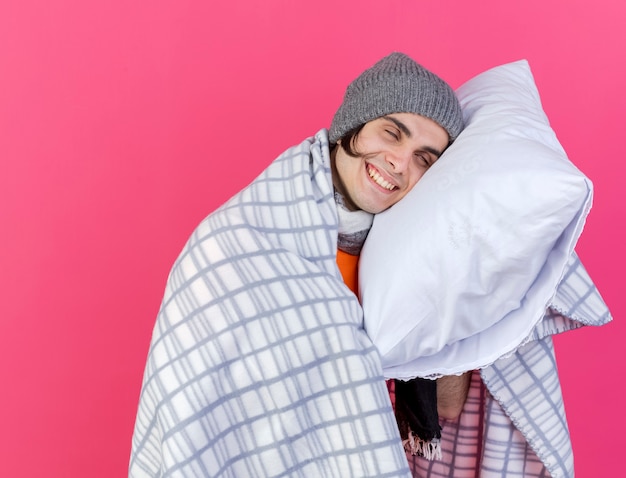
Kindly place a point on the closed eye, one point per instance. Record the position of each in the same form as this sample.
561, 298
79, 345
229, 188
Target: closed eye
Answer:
424, 159
394, 134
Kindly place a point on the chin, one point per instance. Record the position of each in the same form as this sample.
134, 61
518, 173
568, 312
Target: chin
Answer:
376, 210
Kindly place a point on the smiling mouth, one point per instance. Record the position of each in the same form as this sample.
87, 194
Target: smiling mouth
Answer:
378, 179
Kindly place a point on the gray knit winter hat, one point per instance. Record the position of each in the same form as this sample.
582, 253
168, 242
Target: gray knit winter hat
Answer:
397, 84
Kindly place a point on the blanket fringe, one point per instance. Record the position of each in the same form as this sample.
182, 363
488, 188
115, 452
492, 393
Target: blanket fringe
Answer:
431, 450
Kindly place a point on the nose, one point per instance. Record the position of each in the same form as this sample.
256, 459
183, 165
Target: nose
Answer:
399, 160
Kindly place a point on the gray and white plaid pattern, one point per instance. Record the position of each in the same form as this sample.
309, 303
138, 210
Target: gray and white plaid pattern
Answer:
526, 391
259, 365
513, 423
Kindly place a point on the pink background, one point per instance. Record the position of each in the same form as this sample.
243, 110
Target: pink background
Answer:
122, 124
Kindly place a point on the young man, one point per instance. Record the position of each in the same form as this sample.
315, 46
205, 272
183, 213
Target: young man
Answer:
259, 364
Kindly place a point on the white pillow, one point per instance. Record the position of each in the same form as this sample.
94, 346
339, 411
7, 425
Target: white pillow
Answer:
458, 273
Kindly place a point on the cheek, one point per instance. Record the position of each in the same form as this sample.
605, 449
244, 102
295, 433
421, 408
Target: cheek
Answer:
367, 143
347, 170
349, 166
416, 175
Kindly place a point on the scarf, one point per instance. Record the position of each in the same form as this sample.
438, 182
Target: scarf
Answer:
353, 227
415, 405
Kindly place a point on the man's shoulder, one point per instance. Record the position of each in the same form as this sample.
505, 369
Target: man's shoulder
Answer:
312, 150
319, 140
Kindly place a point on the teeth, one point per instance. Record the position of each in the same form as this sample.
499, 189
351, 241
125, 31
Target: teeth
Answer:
378, 179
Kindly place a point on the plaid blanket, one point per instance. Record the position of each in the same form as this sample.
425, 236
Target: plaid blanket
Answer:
259, 364
513, 423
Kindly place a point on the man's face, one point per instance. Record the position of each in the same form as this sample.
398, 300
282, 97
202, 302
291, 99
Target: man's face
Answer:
394, 153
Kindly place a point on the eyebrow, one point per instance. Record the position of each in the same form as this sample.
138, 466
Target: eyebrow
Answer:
407, 132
